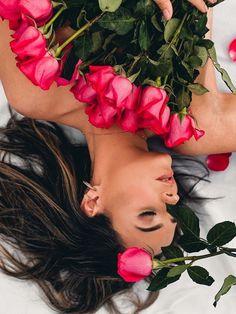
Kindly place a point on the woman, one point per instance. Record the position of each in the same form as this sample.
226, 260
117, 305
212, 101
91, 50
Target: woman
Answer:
69, 235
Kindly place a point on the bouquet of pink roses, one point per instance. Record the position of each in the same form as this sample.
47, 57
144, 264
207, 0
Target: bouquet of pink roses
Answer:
124, 60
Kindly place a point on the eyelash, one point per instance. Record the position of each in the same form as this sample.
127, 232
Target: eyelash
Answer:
148, 213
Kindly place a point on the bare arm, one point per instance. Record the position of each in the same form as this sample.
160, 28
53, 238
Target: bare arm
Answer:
56, 104
215, 113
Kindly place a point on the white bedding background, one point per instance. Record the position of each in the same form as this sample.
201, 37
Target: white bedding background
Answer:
184, 296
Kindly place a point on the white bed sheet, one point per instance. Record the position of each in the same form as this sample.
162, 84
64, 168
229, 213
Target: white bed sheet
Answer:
183, 297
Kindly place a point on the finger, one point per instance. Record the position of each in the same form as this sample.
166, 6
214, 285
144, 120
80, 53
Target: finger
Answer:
212, 1
199, 4
166, 8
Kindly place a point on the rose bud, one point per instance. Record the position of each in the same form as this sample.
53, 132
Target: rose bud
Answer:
181, 130
134, 264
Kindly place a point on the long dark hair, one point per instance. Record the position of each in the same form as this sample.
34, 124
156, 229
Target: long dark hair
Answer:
72, 257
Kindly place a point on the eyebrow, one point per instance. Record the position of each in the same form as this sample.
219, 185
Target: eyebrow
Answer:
156, 227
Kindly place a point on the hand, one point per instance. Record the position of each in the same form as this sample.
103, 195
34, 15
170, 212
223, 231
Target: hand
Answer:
167, 9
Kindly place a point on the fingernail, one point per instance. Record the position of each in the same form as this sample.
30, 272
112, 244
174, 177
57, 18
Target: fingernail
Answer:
167, 14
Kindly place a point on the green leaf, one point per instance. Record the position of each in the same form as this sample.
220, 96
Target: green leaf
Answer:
144, 38
172, 252
145, 7
188, 221
120, 21
156, 23
183, 98
197, 89
224, 74
109, 5
207, 43
171, 28
133, 77
222, 233
177, 270
194, 61
192, 243
161, 280
200, 275
201, 52
228, 283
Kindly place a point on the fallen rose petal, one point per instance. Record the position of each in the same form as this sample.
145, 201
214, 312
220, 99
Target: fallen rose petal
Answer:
218, 162
232, 50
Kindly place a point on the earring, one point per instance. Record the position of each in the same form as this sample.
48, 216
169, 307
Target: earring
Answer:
89, 185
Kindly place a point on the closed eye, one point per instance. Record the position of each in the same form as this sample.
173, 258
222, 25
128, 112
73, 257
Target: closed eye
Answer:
147, 213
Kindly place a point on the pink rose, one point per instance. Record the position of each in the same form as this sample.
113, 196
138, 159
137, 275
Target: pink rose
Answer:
30, 43
101, 118
41, 71
9, 9
23, 24
128, 118
218, 162
154, 110
100, 76
100, 79
118, 90
40, 11
181, 131
134, 264
83, 91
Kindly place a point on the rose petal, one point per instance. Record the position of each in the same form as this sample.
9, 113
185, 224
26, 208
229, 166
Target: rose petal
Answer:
218, 162
232, 50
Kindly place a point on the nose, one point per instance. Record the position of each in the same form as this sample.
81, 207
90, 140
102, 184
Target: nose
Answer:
170, 198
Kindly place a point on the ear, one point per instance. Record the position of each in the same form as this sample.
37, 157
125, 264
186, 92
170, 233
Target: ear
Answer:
91, 203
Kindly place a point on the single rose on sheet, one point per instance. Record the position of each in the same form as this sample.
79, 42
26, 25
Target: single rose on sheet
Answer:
134, 264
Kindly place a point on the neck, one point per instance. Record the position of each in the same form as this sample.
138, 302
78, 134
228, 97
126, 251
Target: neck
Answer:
110, 147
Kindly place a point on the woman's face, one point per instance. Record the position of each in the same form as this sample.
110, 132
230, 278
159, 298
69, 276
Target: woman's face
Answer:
135, 196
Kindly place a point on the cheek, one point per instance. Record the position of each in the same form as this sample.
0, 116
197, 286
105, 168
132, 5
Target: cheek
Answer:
169, 235
165, 238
